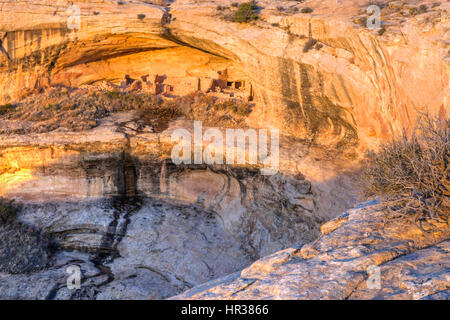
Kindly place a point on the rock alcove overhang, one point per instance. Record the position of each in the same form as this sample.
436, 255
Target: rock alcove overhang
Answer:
57, 56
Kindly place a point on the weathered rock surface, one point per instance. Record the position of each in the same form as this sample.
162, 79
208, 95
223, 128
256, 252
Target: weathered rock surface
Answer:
112, 160
413, 264
141, 227
140, 249
359, 86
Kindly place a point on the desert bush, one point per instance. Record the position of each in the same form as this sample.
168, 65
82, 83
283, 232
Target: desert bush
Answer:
22, 248
141, 16
213, 111
6, 108
382, 30
8, 211
362, 21
412, 172
413, 11
246, 12
423, 8
77, 110
307, 10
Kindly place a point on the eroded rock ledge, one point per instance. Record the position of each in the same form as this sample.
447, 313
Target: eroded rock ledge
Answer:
413, 264
139, 226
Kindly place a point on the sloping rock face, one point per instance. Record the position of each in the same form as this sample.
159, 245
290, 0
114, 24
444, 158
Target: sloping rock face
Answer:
357, 85
140, 227
365, 253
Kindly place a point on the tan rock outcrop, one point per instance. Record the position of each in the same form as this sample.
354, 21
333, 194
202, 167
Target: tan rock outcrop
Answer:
372, 255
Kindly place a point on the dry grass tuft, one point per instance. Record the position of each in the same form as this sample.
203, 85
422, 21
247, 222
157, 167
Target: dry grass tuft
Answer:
230, 113
80, 110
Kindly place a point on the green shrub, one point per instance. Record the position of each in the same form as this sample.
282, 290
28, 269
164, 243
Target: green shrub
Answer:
412, 11
307, 10
246, 12
4, 109
113, 94
412, 173
8, 211
141, 16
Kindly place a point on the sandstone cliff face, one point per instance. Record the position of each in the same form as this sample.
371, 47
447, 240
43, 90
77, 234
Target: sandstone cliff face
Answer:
141, 227
359, 86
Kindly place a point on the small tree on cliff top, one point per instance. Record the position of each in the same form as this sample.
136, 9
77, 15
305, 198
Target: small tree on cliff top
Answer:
246, 12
